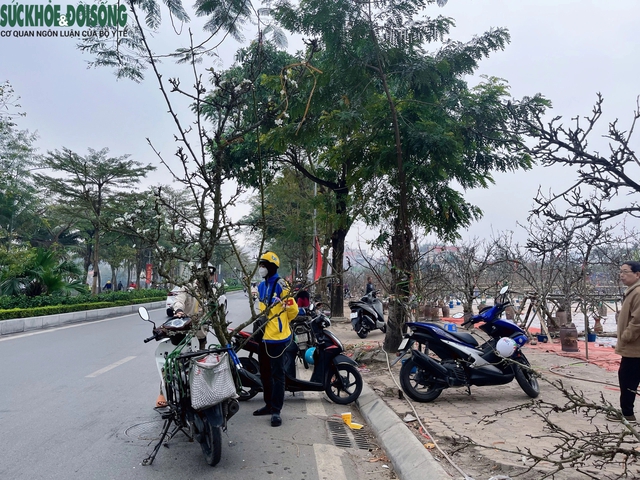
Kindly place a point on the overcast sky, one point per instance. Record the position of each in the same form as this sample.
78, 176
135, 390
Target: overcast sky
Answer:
565, 49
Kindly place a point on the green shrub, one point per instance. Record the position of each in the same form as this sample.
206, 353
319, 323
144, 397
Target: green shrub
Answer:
8, 314
22, 301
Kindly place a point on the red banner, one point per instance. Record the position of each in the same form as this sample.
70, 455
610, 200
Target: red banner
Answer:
318, 253
149, 273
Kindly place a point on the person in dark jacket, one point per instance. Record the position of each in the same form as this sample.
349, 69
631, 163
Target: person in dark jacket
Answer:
628, 346
370, 287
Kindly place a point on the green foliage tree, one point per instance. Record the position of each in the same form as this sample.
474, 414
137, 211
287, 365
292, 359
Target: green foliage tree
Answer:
408, 120
18, 195
289, 204
88, 186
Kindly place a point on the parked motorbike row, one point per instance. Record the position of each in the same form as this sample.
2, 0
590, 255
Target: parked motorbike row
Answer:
177, 360
433, 359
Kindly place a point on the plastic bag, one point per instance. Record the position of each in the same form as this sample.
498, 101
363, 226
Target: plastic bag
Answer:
211, 381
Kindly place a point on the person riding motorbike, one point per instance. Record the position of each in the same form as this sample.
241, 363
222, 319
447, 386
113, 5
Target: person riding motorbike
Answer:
186, 305
279, 307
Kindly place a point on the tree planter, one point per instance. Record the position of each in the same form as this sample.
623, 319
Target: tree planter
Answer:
597, 327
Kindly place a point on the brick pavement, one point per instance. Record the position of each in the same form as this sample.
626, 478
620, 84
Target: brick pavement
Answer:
455, 413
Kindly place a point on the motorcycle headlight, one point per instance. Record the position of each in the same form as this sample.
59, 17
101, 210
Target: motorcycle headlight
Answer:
176, 322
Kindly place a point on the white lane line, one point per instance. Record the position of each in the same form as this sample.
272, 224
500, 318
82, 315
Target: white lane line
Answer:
314, 403
312, 400
329, 461
109, 367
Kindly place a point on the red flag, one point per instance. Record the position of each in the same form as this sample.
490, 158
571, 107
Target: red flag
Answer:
149, 273
318, 253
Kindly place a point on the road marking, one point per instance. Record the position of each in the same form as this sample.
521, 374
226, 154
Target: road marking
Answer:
109, 367
329, 461
312, 400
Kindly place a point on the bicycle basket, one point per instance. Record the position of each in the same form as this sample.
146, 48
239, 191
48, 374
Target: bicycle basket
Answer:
211, 381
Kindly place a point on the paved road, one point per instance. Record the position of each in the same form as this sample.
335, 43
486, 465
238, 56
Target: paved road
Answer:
76, 402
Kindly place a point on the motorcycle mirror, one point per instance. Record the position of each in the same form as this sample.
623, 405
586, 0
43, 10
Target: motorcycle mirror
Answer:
144, 314
504, 289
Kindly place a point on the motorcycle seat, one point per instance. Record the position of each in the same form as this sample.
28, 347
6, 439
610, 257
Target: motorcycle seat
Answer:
465, 337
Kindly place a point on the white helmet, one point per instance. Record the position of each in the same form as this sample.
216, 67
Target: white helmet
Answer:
506, 347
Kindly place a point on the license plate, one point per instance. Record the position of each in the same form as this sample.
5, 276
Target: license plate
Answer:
353, 315
403, 344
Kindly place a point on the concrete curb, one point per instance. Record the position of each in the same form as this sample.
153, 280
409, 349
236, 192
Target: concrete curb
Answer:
19, 325
410, 459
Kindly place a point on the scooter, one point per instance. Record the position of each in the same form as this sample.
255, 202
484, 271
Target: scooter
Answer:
367, 314
334, 373
174, 355
460, 361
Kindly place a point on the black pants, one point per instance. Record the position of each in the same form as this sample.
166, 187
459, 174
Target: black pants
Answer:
628, 378
271, 358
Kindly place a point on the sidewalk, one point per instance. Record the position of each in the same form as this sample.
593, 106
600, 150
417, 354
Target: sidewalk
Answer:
455, 414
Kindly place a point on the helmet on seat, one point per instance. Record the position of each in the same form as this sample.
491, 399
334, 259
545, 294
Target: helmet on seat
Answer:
506, 347
308, 355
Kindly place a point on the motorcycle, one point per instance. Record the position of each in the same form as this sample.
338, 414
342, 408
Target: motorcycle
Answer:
174, 356
333, 372
367, 314
461, 361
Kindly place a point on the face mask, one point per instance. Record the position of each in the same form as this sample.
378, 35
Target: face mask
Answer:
263, 272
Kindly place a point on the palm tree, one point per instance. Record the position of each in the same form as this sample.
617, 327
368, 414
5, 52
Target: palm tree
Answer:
44, 274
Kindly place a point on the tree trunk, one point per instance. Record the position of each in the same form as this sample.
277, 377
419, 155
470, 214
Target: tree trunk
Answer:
96, 264
401, 268
337, 262
139, 267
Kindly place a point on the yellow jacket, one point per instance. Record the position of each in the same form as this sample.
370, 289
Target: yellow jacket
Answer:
280, 312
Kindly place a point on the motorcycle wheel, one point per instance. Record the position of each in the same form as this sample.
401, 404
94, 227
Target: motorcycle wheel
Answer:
211, 443
361, 331
527, 381
384, 328
251, 365
344, 384
417, 383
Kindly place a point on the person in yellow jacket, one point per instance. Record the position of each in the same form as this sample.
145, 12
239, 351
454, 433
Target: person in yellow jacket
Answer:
278, 305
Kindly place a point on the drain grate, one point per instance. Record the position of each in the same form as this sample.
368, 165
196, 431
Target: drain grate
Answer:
343, 437
145, 430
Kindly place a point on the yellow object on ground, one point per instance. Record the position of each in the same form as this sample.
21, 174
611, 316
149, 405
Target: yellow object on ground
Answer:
346, 417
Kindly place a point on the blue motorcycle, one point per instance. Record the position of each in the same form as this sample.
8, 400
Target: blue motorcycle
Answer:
444, 359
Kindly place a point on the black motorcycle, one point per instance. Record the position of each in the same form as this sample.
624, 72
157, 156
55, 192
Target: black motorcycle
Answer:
367, 314
333, 372
174, 360
444, 359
